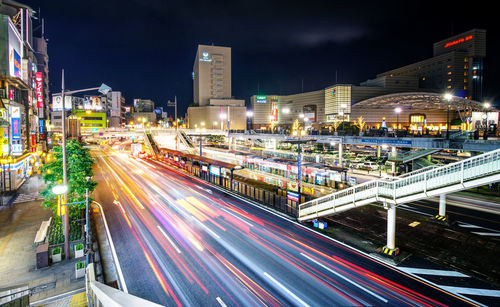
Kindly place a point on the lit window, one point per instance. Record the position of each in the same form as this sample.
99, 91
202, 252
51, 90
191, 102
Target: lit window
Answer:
423, 78
466, 60
449, 80
449, 66
466, 66
465, 87
449, 86
466, 73
466, 80
449, 73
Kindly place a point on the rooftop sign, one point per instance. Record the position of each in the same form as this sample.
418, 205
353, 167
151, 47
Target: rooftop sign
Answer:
458, 41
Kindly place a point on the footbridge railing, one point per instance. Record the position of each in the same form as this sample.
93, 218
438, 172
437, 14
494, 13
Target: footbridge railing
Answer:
465, 174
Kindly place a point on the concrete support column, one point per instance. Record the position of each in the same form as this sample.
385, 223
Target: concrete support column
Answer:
341, 153
378, 152
393, 167
394, 151
442, 204
391, 227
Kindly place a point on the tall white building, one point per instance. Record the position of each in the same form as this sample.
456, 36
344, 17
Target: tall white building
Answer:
212, 92
211, 74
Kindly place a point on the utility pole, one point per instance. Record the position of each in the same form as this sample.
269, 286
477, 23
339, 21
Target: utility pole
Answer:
65, 174
176, 124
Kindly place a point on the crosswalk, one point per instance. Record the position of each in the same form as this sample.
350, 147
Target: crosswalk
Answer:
23, 198
458, 283
480, 230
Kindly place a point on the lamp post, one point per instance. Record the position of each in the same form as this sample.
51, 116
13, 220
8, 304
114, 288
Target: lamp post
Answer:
103, 89
486, 106
249, 117
397, 110
448, 97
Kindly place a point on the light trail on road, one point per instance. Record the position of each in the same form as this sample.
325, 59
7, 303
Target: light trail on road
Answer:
198, 246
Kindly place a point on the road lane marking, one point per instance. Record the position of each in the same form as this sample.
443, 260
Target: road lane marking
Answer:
239, 218
221, 302
169, 240
346, 279
472, 291
293, 221
488, 234
466, 225
433, 272
286, 290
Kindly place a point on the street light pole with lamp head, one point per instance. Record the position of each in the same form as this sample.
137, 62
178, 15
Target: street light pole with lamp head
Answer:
103, 89
397, 110
448, 97
486, 106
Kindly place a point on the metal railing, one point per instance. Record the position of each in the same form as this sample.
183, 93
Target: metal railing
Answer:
465, 174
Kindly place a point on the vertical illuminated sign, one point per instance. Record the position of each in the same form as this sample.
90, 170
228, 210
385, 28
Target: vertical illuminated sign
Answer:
16, 128
39, 90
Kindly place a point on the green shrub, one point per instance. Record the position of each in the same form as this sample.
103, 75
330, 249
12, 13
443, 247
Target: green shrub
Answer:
56, 251
79, 246
80, 265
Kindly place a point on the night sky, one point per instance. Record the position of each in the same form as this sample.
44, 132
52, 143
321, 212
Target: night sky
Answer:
145, 49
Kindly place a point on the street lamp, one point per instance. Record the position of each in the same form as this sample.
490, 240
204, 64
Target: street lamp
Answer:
298, 132
222, 117
249, 117
486, 106
397, 110
103, 89
448, 97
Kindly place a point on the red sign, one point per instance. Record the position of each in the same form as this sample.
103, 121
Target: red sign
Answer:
458, 41
39, 90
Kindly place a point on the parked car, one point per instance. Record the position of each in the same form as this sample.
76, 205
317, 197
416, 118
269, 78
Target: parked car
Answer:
370, 165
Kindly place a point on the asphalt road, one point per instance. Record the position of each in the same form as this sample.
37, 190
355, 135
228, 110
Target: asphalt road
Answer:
182, 242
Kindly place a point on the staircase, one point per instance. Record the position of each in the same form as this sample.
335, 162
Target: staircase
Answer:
149, 141
475, 171
411, 155
186, 140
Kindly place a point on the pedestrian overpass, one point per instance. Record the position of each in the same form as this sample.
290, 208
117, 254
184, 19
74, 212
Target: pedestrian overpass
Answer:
472, 172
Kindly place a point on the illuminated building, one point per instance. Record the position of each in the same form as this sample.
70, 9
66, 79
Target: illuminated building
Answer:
456, 66
212, 91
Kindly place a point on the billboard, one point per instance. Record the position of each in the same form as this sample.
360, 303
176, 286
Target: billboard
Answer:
39, 90
15, 51
57, 103
92, 103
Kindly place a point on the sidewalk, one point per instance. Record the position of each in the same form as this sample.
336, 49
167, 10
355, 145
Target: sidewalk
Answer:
19, 223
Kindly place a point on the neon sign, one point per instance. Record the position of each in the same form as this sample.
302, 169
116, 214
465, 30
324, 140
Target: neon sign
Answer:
458, 41
39, 89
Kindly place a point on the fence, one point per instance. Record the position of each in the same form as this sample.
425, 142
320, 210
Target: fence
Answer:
277, 201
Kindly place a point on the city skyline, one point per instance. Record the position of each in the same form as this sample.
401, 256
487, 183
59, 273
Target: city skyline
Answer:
307, 47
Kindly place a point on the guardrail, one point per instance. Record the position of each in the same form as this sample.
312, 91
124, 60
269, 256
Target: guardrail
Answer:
465, 174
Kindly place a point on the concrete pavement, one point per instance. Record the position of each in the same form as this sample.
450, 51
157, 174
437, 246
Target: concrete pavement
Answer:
19, 223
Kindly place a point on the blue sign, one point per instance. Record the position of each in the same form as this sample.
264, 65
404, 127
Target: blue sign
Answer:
16, 128
292, 196
386, 141
41, 126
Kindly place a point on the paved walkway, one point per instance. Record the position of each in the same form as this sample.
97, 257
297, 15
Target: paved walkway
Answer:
18, 226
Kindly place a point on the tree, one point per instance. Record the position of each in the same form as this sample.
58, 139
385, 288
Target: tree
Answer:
336, 123
79, 176
360, 123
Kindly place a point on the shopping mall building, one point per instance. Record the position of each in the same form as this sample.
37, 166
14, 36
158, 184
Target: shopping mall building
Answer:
412, 96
